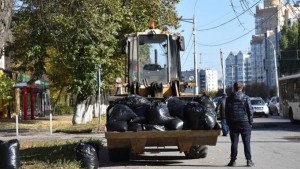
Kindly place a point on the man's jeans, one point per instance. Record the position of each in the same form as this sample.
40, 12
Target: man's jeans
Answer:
224, 127
245, 131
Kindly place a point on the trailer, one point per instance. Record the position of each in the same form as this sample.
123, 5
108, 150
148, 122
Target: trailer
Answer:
121, 144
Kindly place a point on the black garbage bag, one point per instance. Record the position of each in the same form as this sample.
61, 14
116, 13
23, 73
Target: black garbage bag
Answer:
207, 102
141, 115
120, 126
135, 127
151, 127
186, 125
134, 101
208, 122
194, 113
87, 154
9, 154
158, 114
121, 112
176, 106
175, 124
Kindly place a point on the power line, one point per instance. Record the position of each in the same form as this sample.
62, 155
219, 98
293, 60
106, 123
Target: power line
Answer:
230, 19
242, 34
213, 21
235, 12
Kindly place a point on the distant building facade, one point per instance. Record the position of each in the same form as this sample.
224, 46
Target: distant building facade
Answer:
238, 68
207, 79
269, 20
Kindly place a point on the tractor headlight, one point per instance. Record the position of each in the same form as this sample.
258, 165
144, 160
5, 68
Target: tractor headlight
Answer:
191, 78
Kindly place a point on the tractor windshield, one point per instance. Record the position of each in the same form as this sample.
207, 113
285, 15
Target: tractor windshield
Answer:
153, 56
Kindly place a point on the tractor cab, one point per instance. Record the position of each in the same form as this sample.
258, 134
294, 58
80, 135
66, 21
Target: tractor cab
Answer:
153, 58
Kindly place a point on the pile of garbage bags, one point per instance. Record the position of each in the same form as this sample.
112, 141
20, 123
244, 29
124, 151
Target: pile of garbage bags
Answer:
137, 113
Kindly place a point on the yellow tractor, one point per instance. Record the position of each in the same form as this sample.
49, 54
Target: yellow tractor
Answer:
154, 71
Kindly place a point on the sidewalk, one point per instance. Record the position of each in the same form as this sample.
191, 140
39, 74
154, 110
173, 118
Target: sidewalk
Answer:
54, 136
39, 129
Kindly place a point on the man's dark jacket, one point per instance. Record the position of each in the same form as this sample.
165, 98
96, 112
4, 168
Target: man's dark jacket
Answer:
238, 109
221, 107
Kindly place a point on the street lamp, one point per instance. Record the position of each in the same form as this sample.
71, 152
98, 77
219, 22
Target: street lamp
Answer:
232, 66
195, 52
275, 65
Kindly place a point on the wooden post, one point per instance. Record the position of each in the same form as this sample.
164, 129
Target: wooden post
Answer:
25, 103
50, 123
17, 100
17, 125
32, 102
42, 105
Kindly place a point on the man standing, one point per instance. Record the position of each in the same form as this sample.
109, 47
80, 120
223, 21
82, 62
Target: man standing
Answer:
221, 108
239, 116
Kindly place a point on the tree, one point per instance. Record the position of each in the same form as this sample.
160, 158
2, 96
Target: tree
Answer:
5, 86
257, 90
289, 49
69, 39
5, 19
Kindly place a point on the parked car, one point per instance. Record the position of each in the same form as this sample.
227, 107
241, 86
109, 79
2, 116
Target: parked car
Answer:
259, 106
274, 106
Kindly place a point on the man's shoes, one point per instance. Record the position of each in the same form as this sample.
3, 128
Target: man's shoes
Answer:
250, 163
231, 163
224, 135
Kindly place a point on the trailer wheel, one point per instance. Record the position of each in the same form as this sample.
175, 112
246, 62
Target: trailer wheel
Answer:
118, 154
196, 152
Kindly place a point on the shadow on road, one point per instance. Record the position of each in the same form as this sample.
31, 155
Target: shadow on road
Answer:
151, 159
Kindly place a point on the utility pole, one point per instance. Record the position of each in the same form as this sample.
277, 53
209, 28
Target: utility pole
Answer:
222, 66
195, 56
275, 66
195, 52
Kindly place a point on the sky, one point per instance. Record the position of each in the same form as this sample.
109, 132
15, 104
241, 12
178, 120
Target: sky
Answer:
211, 13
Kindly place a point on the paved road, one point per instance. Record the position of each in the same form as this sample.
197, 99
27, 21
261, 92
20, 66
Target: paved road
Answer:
275, 145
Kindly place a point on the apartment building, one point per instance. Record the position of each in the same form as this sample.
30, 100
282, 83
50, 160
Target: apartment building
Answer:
238, 68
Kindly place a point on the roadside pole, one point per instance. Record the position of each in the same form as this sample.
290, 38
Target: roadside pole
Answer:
195, 57
99, 92
222, 66
50, 123
17, 125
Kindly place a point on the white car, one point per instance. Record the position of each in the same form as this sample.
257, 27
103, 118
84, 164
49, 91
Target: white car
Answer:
274, 106
259, 106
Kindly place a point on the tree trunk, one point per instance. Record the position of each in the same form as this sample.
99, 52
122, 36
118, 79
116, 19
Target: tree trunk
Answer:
88, 107
84, 109
5, 19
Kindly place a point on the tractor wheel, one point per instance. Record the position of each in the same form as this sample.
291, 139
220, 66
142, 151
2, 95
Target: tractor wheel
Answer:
118, 154
196, 152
